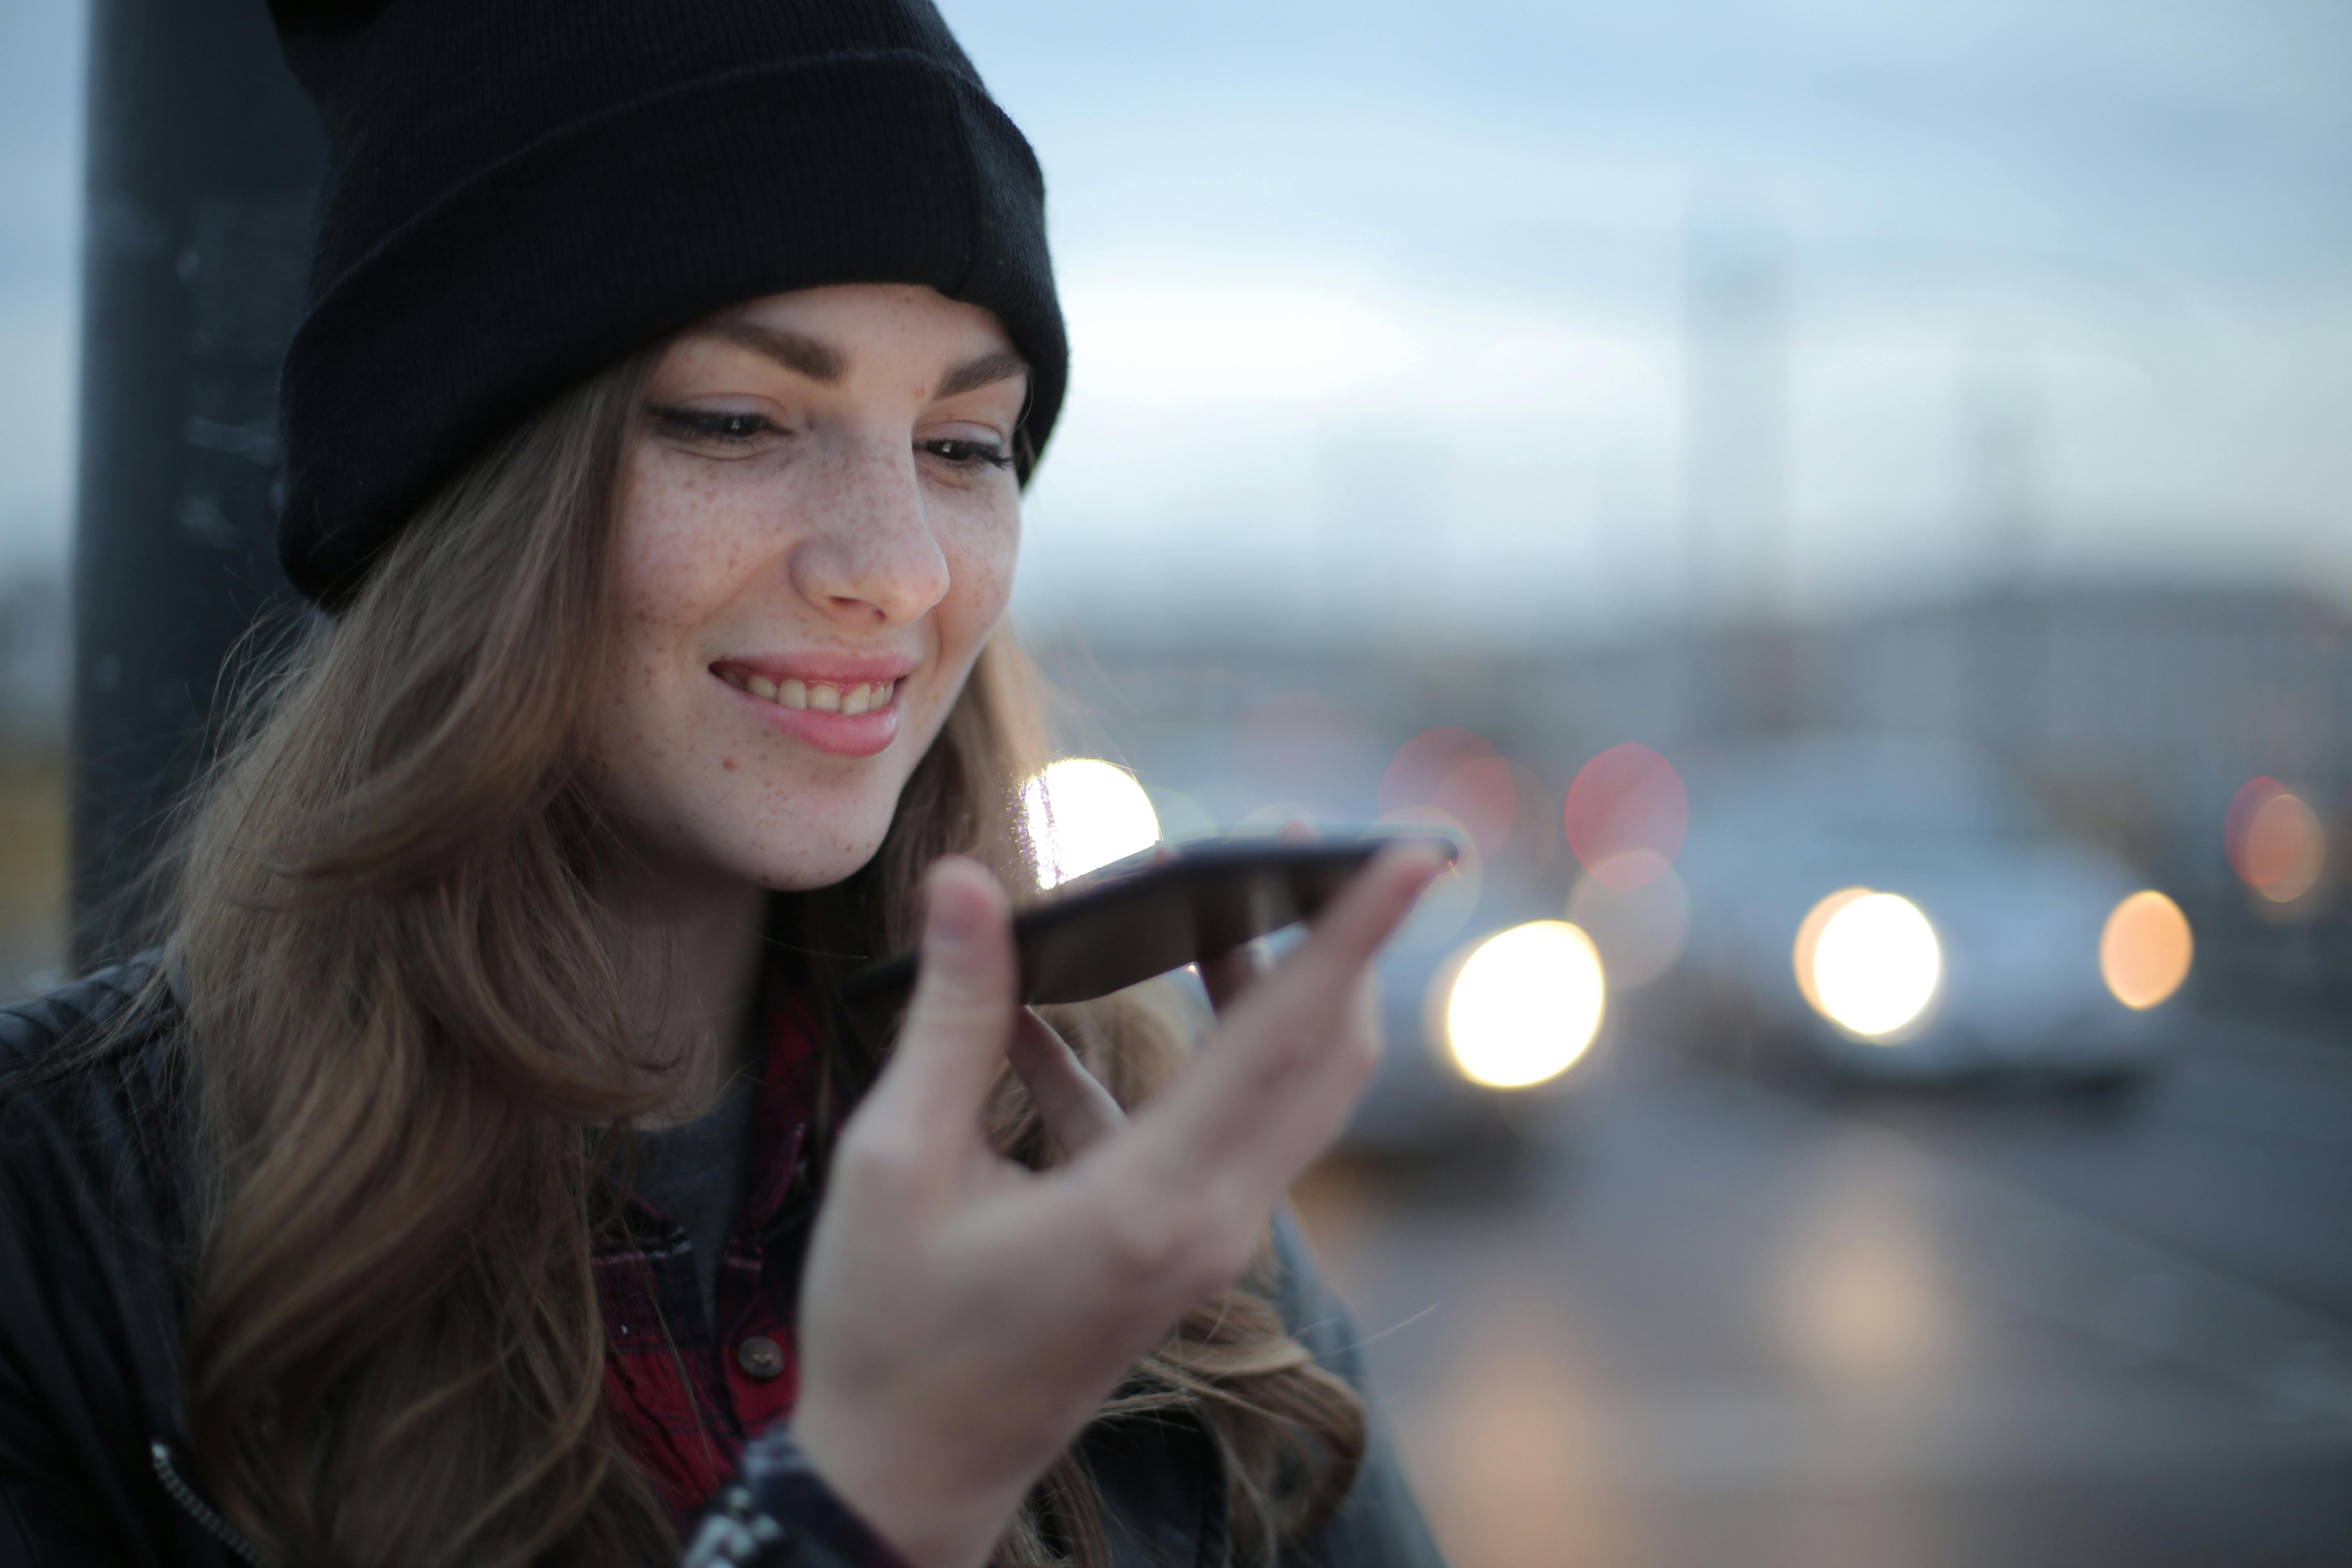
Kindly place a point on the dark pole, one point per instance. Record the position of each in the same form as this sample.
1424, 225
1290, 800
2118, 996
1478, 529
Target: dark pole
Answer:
204, 156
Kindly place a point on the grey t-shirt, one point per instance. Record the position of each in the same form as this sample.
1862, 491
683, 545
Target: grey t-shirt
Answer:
699, 1174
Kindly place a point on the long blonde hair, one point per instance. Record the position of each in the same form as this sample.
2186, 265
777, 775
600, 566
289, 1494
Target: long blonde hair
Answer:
403, 991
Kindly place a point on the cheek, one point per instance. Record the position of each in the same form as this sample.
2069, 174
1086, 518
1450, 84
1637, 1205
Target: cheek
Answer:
981, 552
675, 553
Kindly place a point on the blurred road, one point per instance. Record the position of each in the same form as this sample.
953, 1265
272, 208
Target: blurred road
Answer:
1720, 1323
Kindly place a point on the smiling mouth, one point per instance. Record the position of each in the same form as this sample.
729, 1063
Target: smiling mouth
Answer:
814, 695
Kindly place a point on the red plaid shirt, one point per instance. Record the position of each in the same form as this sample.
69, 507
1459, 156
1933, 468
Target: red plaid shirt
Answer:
690, 1393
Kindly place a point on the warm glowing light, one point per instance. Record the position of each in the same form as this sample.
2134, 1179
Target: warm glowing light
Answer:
2276, 842
1525, 1004
1863, 1289
1081, 814
1637, 916
1809, 937
2251, 796
1876, 966
1626, 799
2144, 951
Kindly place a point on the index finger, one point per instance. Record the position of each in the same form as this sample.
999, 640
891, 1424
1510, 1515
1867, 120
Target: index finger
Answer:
1269, 1077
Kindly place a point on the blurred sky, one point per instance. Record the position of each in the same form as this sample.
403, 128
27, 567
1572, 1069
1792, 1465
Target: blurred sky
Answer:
1381, 309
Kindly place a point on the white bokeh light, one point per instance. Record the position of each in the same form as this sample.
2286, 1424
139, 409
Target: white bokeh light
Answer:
1081, 813
1525, 1004
1875, 965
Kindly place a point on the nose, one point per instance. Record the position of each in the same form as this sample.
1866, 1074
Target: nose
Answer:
872, 557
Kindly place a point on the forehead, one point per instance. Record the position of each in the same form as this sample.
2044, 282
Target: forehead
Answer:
868, 320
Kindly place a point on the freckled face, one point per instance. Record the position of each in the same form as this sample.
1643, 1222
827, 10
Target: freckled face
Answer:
818, 525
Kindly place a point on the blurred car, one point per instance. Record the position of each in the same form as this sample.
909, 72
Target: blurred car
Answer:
1899, 911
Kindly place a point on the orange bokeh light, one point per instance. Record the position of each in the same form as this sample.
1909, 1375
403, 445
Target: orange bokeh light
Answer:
2146, 950
1809, 938
2276, 843
1627, 799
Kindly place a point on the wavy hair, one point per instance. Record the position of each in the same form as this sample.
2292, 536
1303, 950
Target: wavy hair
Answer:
403, 990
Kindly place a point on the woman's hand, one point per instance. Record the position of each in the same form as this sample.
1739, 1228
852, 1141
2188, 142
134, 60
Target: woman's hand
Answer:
962, 1318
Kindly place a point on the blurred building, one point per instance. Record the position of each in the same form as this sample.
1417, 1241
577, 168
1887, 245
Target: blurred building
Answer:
2163, 701
2133, 713
2170, 691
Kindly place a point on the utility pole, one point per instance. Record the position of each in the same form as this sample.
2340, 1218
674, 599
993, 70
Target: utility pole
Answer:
1736, 470
2002, 406
204, 157
1736, 454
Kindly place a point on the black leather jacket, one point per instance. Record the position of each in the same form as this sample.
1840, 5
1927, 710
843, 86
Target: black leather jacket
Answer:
97, 1245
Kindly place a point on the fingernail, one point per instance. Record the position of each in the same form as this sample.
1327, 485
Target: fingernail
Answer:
954, 921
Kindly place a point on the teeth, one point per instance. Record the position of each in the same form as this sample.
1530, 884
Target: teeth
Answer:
864, 697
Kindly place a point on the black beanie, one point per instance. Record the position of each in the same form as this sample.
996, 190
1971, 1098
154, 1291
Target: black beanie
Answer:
519, 192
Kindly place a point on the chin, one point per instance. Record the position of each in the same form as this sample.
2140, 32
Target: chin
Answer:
827, 854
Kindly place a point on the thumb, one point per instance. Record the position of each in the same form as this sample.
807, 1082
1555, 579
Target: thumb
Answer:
952, 1046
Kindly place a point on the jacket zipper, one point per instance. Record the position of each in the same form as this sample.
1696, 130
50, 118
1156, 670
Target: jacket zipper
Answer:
196, 1508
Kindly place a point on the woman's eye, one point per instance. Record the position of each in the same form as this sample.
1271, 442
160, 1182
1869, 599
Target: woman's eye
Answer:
970, 453
712, 427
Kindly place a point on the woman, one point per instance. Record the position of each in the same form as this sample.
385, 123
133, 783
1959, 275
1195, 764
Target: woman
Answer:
474, 1177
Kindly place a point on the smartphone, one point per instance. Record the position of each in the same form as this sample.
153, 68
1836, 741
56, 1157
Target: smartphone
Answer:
1121, 926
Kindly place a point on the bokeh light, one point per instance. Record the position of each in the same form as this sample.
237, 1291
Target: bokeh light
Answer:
1628, 798
1421, 763
2276, 843
1809, 937
1481, 796
1875, 963
1082, 813
1637, 917
1525, 1004
1181, 815
1459, 772
1536, 839
2146, 950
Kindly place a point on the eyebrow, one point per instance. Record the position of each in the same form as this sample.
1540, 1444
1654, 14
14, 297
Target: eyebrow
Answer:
823, 363
986, 371
819, 362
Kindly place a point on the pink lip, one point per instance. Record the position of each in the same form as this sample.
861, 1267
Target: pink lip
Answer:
839, 734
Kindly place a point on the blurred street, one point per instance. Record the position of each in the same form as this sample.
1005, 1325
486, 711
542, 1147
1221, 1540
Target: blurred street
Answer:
1718, 1321
1841, 509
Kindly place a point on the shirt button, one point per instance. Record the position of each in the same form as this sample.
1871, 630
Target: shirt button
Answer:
760, 1356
